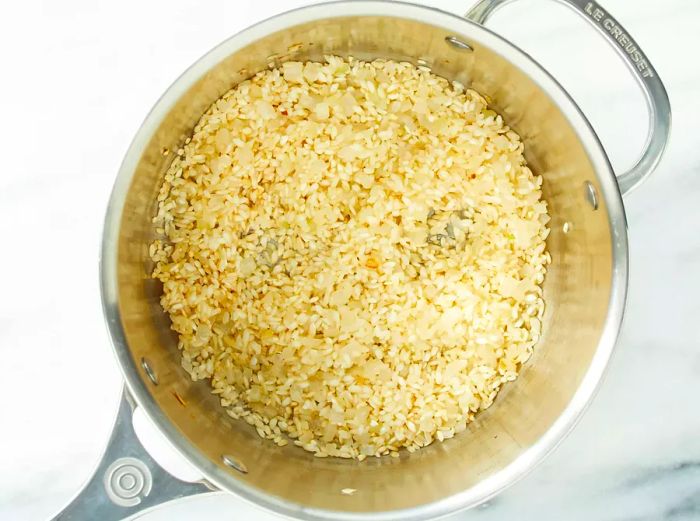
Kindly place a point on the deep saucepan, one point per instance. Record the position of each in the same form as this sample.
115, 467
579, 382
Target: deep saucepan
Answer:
584, 290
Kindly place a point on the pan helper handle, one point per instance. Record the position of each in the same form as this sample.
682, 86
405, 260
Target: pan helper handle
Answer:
654, 91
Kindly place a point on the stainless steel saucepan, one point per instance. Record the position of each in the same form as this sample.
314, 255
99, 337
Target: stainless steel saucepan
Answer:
584, 290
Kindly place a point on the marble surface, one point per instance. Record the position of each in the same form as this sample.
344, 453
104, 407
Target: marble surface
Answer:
79, 77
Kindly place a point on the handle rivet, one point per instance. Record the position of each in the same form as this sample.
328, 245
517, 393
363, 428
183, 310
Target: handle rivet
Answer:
458, 44
591, 194
149, 371
234, 463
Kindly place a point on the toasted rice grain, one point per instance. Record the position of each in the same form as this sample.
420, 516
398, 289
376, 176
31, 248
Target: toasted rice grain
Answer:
353, 255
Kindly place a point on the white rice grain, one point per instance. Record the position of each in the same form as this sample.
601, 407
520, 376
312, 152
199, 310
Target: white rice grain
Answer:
356, 270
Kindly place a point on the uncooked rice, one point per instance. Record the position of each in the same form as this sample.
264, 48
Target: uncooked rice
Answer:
352, 252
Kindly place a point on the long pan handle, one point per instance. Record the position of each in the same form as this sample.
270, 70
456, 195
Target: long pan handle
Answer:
127, 480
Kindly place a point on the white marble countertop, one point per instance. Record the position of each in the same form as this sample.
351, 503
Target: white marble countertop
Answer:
79, 77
